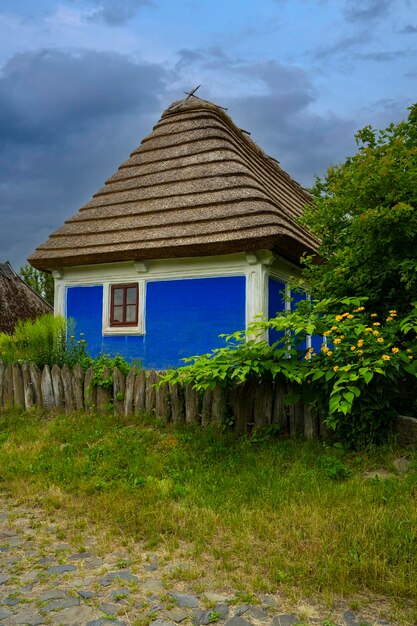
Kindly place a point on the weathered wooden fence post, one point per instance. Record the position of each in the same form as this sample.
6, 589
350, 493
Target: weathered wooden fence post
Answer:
35, 379
47, 390
311, 423
103, 394
58, 387
207, 407
219, 407
263, 402
140, 392
176, 394
280, 411
18, 391
150, 397
78, 387
130, 392
119, 386
8, 395
192, 405
162, 402
90, 390
27, 388
242, 399
2, 368
68, 389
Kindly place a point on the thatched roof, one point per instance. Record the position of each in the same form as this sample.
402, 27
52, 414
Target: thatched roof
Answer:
196, 186
17, 300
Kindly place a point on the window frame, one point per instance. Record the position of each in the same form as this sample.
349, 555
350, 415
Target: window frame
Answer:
113, 323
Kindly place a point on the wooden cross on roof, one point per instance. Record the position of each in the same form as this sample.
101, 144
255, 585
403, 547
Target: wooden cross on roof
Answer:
192, 92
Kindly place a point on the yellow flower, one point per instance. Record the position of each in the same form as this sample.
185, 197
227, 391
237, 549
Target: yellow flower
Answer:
337, 340
345, 314
395, 350
360, 352
376, 324
342, 336
336, 368
353, 347
360, 308
389, 319
307, 356
350, 317
375, 314
375, 332
386, 357
380, 340
333, 328
360, 343
393, 312
338, 318
369, 330
409, 356
324, 348
327, 333
409, 350
329, 353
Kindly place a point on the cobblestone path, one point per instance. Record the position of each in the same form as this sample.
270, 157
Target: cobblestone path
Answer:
44, 580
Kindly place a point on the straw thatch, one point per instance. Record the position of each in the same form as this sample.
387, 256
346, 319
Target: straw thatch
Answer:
17, 300
196, 186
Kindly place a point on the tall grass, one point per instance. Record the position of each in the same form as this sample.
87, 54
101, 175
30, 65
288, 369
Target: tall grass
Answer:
256, 517
42, 341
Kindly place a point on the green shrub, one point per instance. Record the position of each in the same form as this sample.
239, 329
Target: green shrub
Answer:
353, 380
42, 341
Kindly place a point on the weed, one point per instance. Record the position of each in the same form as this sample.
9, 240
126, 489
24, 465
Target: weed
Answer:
214, 617
334, 469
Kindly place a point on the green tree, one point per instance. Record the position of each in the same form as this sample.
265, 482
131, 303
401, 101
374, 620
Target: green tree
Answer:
41, 282
364, 212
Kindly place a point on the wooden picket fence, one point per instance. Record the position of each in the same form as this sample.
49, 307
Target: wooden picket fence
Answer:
247, 405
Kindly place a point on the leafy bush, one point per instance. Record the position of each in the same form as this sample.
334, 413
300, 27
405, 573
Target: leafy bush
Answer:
364, 211
353, 380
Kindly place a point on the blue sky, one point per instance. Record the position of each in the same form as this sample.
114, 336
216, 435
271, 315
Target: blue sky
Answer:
83, 81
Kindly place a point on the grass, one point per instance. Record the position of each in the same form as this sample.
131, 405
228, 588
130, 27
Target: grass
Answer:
283, 515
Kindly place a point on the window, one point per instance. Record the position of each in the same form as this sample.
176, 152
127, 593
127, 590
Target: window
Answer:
124, 305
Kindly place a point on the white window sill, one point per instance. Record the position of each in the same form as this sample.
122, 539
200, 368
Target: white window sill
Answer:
122, 330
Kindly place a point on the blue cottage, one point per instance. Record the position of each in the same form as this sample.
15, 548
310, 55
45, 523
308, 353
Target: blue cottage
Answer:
194, 235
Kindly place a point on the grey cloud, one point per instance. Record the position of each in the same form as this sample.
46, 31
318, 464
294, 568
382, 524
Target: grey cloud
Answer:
116, 12
366, 10
343, 46
66, 122
409, 29
384, 57
305, 143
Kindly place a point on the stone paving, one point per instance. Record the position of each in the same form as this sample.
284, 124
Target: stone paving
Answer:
44, 580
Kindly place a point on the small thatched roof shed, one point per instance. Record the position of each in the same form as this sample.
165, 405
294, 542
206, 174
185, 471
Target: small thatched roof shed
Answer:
196, 186
17, 300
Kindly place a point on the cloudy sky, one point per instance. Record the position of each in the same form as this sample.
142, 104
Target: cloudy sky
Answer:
82, 81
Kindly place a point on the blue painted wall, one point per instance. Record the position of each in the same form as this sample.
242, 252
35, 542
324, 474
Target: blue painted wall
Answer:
182, 318
276, 304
